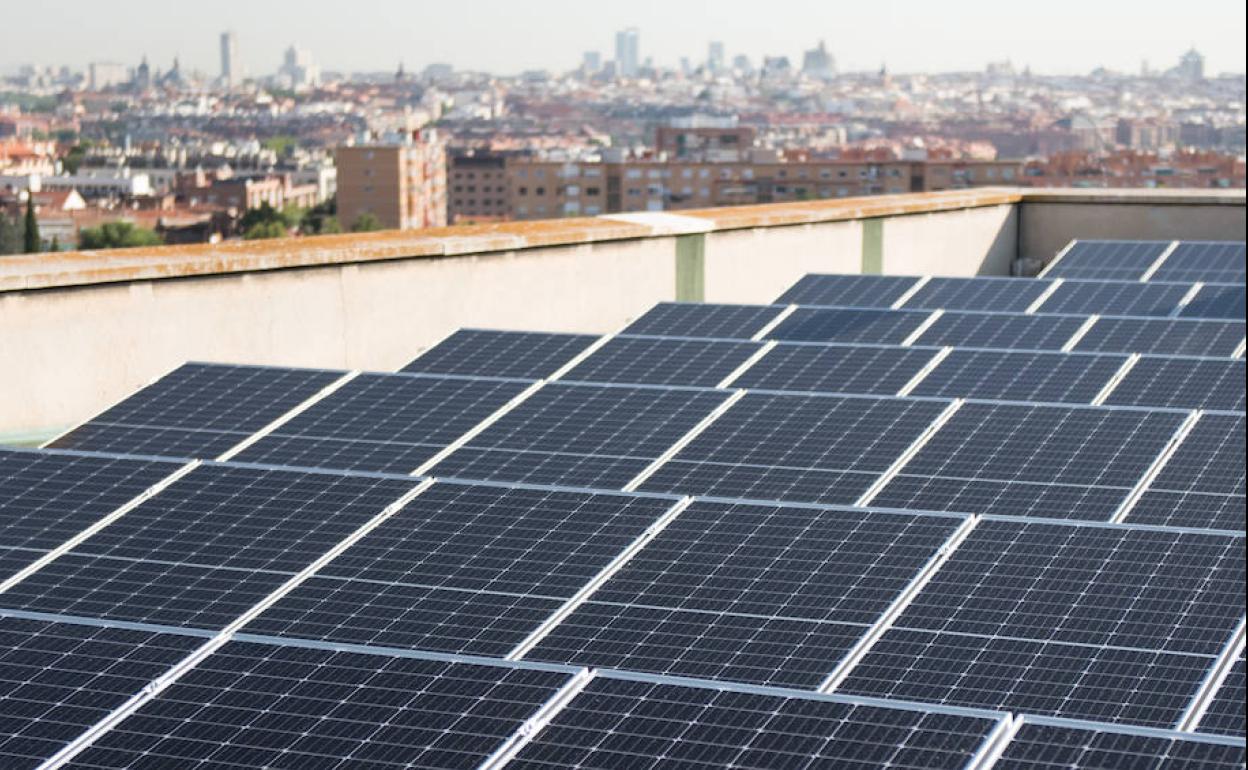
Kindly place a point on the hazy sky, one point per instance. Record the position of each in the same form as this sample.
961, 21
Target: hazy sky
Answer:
508, 36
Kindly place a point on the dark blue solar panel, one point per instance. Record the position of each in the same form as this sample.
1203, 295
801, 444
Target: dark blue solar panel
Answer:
881, 327
1202, 484
1001, 330
485, 353
1163, 336
663, 361
258, 705
615, 722
1000, 295
804, 448
581, 435
58, 679
1032, 460
674, 319
1226, 711
1205, 261
1062, 747
1214, 301
836, 368
1183, 384
198, 410
383, 422
1019, 376
1115, 298
1108, 260
848, 290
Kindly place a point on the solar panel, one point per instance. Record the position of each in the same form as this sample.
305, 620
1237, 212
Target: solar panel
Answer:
1061, 462
674, 319
198, 410
1202, 484
463, 569
260, 705
638, 724
1163, 336
847, 325
581, 435
848, 290
47, 498
664, 361
1183, 383
383, 422
1065, 747
208, 547
1108, 260
1216, 301
836, 368
1116, 298
1095, 622
821, 449
1019, 376
750, 593
1003, 295
1205, 261
1226, 711
1001, 330
486, 353
58, 679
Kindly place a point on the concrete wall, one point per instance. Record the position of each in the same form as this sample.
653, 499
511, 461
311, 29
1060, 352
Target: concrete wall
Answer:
1046, 227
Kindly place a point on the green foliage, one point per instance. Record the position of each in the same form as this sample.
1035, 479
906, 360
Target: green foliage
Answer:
282, 144
31, 242
29, 102
365, 223
330, 226
11, 239
263, 230
320, 219
263, 215
117, 235
73, 159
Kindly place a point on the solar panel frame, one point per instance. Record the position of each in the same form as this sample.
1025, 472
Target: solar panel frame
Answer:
848, 290
1000, 330
1216, 301
496, 353
1020, 376
1108, 260
849, 325
1052, 745
1202, 483
1158, 336
831, 368
1225, 715
1012, 295
663, 361
1119, 298
1204, 261
696, 319
1180, 383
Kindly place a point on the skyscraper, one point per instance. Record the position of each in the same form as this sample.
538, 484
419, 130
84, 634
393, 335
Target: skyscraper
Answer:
715, 57
229, 59
628, 52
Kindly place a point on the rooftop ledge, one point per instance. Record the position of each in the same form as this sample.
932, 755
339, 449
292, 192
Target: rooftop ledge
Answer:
66, 269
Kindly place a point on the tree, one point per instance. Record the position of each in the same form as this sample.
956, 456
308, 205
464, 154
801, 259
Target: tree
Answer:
263, 215
264, 230
11, 239
30, 238
329, 226
321, 219
366, 223
117, 235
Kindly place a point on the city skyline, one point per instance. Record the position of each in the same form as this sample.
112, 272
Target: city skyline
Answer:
1073, 38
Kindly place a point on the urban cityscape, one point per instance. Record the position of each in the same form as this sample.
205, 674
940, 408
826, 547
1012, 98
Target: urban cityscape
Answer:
143, 152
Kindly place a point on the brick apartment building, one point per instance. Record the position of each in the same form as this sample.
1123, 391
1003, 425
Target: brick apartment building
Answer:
399, 179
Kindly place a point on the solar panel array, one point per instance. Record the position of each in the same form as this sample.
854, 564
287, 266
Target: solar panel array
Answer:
883, 522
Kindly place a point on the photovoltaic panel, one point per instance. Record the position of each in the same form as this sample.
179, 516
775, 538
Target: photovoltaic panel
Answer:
1001, 295
1076, 463
848, 325
581, 435
663, 361
58, 679
836, 368
206, 548
848, 290
1216, 301
1001, 330
751, 593
47, 498
1108, 260
1020, 376
1204, 261
1163, 336
1202, 484
821, 449
1183, 384
383, 422
690, 319
1061, 747
1116, 298
467, 569
1102, 623
261, 705
646, 725
198, 410
1226, 712
487, 353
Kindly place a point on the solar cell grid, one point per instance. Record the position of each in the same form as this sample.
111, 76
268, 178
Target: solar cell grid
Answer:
1001, 330
663, 361
58, 679
1226, 712
613, 723
1054, 747
257, 705
848, 325
1202, 484
836, 368
1108, 260
821, 449
1216, 301
1021, 376
1163, 336
1116, 298
1183, 384
487, 353
198, 410
676, 319
1205, 261
1002, 295
848, 290
1013, 459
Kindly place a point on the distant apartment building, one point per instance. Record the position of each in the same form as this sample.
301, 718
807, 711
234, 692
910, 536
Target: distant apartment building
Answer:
628, 52
401, 180
229, 59
243, 193
713, 143
101, 75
